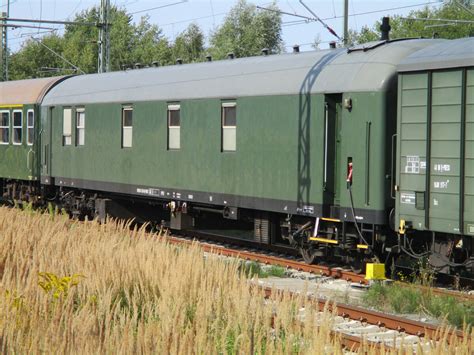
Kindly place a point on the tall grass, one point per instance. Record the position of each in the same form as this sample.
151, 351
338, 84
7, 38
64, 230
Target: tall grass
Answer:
91, 288
70, 287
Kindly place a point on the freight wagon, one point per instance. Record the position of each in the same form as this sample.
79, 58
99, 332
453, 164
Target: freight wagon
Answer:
435, 166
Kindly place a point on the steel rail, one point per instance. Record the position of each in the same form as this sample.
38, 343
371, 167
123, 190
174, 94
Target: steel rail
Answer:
351, 342
384, 320
389, 321
334, 272
273, 260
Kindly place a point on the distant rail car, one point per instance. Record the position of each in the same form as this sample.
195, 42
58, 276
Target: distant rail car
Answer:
355, 154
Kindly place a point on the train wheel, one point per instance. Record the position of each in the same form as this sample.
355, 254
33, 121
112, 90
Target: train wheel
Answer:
310, 255
358, 265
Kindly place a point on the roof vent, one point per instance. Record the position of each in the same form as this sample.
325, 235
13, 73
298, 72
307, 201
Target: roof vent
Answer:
155, 64
265, 51
138, 65
385, 29
296, 48
209, 58
231, 55
332, 45
179, 61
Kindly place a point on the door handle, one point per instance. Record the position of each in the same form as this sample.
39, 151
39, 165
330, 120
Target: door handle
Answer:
28, 160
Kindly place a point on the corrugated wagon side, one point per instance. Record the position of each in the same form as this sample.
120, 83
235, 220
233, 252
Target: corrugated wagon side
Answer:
435, 179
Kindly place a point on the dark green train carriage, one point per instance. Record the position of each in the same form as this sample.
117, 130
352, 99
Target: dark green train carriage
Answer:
271, 137
19, 134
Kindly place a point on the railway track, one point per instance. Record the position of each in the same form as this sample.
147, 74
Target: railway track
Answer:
356, 326
320, 270
266, 258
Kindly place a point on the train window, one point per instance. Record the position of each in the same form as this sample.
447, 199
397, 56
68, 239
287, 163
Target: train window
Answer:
67, 126
174, 127
4, 127
30, 125
229, 126
127, 126
17, 127
80, 126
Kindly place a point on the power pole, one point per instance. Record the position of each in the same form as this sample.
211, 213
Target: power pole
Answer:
5, 43
346, 23
104, 37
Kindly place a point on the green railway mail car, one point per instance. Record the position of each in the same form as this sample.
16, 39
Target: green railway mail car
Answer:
273, 133
247, 132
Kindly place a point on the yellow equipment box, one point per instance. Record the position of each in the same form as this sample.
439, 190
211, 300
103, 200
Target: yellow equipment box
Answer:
375, 272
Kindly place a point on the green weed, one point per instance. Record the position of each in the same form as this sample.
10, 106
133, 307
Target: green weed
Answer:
253, 268
410, 299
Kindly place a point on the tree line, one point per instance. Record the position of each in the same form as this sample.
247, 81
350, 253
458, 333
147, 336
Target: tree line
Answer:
408, 27
245, 31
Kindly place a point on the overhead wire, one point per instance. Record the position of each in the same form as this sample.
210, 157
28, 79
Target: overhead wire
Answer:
289, 4
11, 2
213, 17
158, 7
284, 24
360, 13
41, 11
354, 16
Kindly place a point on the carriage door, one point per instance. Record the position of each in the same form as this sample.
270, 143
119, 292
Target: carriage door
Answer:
46, 140
332, 151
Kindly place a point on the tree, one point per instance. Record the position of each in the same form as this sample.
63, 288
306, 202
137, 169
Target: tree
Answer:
403, 28
246, 31
35, 60
140, 43
189, 45
149, 44
129, 43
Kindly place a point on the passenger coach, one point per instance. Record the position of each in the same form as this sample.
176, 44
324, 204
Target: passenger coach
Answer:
19, 132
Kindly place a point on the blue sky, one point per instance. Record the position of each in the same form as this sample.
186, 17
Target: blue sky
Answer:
208, 14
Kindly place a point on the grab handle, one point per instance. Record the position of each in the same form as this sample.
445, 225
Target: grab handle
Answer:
392, 163
28, 160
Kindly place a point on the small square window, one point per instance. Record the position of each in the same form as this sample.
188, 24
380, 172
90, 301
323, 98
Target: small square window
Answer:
229, 127
80, 126
174, 127
229, 118
4, 127
30, 125
128, 117
175, 119
67, 126
17, 127
127, 126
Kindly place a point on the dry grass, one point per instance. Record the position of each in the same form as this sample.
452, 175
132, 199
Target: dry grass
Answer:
70, 287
